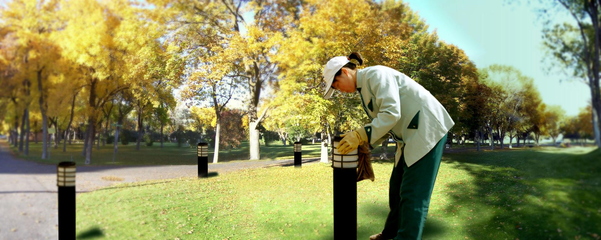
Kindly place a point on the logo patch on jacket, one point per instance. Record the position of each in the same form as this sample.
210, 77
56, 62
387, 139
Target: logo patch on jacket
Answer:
414, 122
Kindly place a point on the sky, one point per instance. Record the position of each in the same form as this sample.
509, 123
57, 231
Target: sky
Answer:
494, 32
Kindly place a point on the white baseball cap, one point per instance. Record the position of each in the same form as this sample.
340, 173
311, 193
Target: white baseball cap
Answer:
331, 68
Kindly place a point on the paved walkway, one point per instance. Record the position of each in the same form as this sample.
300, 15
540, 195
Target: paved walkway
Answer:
28, 192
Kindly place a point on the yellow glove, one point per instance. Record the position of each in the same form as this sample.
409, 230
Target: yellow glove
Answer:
351, 140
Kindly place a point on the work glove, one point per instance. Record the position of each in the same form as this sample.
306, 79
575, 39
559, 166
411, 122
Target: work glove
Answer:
351, 140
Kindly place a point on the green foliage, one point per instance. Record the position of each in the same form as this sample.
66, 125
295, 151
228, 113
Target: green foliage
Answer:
192, 137
297, 133
124, 141
148, 139
110, 139
127, 136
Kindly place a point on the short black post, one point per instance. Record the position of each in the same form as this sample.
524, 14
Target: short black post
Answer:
66, 200
298, 154
203, 160
345, 192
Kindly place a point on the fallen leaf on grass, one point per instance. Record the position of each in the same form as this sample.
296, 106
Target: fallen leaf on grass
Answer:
111, 178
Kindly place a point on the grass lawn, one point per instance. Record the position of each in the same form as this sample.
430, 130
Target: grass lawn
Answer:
545, 193
170, 154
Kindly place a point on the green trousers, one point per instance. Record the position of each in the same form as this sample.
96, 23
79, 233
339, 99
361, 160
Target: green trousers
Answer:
409, 196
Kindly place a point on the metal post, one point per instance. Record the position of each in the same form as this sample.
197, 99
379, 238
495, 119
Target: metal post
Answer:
66, 200
345, 192
203, 160
298, 154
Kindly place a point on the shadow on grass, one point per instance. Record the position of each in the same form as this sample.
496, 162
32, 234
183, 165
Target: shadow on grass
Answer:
91, 233
135, 185
527, 194
212, 174
433, 229
291, 162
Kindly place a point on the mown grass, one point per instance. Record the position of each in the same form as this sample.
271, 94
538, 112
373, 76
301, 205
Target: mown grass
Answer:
170, 154
517, 194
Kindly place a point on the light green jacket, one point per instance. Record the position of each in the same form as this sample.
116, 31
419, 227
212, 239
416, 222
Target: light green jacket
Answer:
398, 105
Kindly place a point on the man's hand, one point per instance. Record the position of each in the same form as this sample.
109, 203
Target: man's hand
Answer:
351, 140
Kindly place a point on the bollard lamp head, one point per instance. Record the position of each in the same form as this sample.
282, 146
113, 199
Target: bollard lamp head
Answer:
349, 160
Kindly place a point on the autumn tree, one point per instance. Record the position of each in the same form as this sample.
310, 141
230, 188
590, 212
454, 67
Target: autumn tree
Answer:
475, 109
585, 122
206, 30
386, 33
554, 116
32, 22
516, 95
206, 27
575, 48
123, 103
103, 39
232, 125
331, 28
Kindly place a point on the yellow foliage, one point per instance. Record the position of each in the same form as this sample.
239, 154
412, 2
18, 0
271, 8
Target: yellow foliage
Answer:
203, 116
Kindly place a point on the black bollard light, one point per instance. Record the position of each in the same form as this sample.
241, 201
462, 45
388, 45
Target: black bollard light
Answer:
203, 160
66, 200
345, 192
298, 154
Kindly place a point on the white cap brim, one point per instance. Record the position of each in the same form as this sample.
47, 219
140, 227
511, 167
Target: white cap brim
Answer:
329, 71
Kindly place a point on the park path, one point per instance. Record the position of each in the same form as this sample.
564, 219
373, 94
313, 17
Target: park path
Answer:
28, 192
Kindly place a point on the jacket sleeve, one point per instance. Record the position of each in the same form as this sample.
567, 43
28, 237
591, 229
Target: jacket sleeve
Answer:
385, 89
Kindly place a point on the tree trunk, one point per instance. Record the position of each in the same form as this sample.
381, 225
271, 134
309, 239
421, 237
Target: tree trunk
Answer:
481, 137
44, 118
217, 134
501, 134
98, 142
162, 136
596, 128
89, 142
253, 123
594, 83
22, 135
57, 137
116, 143
324, 148
106, 130
255, 150
283, 137
15, 132
67, 138
140, 128
50, 138
491, 139
27, 135
85, 142
70, 121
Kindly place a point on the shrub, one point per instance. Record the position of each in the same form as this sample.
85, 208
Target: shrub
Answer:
124, 141
148, 139
110, 139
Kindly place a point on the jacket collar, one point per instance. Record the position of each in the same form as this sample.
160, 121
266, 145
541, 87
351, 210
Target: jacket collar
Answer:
360, 79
